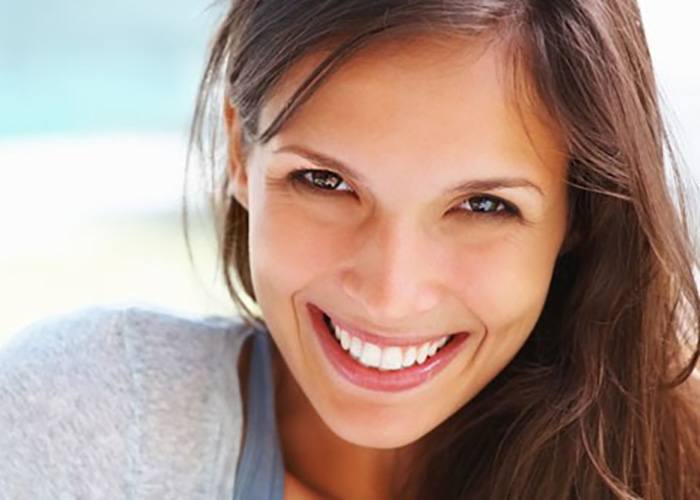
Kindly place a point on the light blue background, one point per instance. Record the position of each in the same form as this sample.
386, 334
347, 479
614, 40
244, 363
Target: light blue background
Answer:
81, 65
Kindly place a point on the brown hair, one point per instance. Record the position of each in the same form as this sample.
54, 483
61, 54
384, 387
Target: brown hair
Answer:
597, 404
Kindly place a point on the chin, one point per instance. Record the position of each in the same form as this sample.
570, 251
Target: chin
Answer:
373, 430
378, 438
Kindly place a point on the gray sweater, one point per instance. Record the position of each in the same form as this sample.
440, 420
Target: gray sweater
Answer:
126, 402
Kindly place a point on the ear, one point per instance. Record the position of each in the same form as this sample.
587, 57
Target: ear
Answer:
237, 174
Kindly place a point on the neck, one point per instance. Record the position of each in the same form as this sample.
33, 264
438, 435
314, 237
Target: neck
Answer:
317, 458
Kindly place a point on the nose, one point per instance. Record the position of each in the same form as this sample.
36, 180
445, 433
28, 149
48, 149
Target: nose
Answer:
393, 273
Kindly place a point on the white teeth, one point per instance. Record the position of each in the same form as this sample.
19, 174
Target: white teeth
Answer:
409, 357
391, 358
355, 348
433, 348
345, 339
388, 358
422, 353
371, 355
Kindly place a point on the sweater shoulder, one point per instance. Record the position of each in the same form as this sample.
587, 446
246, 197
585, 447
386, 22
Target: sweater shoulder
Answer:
128, 400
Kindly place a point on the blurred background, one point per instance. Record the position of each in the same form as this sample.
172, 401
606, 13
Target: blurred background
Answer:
95, 102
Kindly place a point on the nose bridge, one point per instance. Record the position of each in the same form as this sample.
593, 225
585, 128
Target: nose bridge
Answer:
392, 273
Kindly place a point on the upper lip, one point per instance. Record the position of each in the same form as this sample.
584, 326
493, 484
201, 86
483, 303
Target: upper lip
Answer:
379, 337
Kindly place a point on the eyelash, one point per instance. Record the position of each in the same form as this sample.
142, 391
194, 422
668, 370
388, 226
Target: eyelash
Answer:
299, 177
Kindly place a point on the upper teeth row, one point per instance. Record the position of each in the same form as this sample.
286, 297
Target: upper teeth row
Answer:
387, 358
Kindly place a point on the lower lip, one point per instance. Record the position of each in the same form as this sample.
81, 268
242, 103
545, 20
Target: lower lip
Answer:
373, 378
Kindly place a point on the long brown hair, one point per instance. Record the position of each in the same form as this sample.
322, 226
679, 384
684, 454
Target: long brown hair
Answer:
598, 402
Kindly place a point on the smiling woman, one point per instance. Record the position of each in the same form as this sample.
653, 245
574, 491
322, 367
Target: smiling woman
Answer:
400, 254
450, 221
458, 259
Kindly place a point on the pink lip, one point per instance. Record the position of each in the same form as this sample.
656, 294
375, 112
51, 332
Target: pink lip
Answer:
379, 380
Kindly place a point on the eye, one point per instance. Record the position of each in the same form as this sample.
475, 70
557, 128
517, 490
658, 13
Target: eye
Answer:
323, 180
483, 205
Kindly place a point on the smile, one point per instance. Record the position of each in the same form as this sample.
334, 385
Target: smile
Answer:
379, 363
384, 357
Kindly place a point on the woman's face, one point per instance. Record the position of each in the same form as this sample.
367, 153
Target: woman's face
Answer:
438, 210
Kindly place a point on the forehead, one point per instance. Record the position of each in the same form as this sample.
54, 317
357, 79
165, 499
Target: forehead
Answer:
427, 99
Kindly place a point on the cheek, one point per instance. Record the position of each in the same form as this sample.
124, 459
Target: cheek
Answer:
505, 282
290, 246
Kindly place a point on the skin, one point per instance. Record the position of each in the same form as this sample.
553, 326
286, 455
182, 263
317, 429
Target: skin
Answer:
394, 251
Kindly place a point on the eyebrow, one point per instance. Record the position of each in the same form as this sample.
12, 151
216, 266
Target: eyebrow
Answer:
488, 184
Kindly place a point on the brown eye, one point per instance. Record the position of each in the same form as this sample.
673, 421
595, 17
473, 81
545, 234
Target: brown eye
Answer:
489, 205
485, 204
324, 180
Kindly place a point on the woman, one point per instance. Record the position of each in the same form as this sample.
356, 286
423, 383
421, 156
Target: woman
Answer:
455, 222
